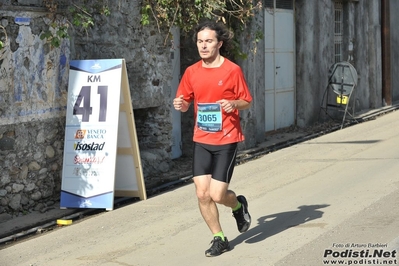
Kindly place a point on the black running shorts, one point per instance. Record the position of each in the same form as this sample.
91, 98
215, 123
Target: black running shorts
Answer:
216, 160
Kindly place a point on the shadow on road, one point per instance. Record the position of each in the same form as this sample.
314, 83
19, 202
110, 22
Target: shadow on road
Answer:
346, 142
275, 223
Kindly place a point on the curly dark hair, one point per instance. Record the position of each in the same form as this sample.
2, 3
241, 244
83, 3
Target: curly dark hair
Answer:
222, 34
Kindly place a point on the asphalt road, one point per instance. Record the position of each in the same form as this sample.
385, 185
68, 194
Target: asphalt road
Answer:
333, 198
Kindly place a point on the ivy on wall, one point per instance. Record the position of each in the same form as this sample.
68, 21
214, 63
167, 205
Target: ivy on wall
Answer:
165, 14
3, 39
78, 14
236, 14
187, 14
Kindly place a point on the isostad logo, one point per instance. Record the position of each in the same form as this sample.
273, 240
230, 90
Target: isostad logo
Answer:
88, 146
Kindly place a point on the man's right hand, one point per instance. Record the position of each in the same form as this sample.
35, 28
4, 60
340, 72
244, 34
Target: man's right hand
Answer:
180, 104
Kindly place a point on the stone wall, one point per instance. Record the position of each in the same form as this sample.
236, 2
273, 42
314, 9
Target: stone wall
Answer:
148, 62
315, 54
33, 90
393, 6
31, 163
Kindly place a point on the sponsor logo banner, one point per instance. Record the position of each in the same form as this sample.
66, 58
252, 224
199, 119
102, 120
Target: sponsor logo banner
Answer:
91, 133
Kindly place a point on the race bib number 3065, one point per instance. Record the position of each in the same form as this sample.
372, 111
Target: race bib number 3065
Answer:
209, 117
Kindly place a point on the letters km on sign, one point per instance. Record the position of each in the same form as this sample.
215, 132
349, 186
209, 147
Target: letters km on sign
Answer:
101, 154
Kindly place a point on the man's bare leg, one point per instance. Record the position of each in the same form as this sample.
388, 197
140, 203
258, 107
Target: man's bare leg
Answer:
210, 192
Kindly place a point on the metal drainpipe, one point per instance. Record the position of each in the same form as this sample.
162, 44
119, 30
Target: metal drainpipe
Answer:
386, 53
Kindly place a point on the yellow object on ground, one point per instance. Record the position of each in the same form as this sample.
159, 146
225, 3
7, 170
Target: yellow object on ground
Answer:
64, 222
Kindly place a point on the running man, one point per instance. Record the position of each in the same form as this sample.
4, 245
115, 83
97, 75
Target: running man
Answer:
218, 90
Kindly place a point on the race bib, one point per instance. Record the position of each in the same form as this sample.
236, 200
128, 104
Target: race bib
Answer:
209, 117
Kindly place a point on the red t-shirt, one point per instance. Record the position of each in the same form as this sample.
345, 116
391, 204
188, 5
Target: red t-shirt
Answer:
208, 85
